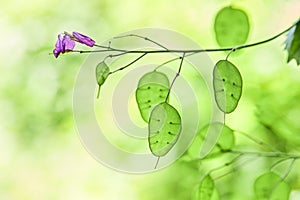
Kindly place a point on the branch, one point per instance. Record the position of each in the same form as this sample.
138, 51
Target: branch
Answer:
177, 74
124, 67
165, 50
266, 154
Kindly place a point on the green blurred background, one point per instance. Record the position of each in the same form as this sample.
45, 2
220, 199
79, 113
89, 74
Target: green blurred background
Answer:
41, 156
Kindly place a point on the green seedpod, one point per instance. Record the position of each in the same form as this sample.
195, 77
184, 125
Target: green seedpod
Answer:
270, 186
207, 189
152, 89
231, 27
102, 72
227, 83
212, 140
164, 129
225, 140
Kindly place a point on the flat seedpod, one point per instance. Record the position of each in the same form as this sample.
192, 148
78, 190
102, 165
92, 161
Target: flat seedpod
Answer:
231, 27
227, 83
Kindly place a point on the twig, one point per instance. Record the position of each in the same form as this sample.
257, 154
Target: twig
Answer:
177, 74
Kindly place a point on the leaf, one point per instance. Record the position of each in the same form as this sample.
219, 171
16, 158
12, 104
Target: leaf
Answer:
227, 82
269, 186
164, 129
293, 43
231, 27
102, 72
152, 89
207, 190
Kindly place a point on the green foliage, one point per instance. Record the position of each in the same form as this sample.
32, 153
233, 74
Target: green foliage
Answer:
164, 129
152, 89
207, 190
293, 43
270, 186
278, 115
231, 27
227, 82
102, 72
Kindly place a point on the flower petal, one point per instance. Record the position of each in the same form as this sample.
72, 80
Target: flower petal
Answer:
68, 44
84, 39
56, 53
58, 46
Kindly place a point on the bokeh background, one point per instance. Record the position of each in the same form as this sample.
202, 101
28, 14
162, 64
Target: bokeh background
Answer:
41, 156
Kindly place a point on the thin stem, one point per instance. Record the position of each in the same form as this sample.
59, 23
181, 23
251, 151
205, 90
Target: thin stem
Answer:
269, 147
283, 177
152, 51
267, 40
234, 168
145, 38
124, 67
177, 74
156, 163
172, 60
278, 162
167, 62
98, 93
232, 50
109, 49
102, 46
226, 164
288, 169
81, 51
114, 55
265, 154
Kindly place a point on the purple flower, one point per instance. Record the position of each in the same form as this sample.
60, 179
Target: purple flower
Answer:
63, 44
83, 39
66, 42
